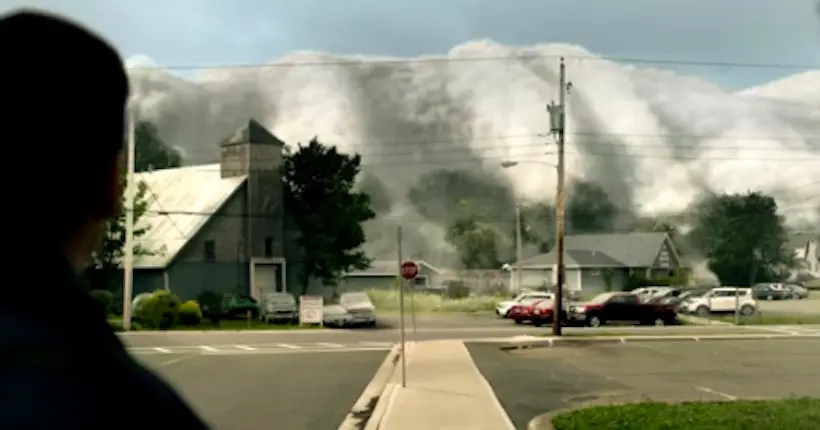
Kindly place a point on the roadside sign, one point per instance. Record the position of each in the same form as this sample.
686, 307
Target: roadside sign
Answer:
409, 270
310, 309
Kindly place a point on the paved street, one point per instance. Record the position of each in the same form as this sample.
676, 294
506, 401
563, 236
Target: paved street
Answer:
532, 382
309, 391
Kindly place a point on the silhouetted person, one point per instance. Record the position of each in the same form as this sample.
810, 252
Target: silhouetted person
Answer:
64, 94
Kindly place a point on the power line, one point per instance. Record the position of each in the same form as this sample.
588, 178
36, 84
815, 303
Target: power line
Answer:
480, 59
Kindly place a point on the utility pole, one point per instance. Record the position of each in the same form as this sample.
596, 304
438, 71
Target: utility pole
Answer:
128, 259
518, 246
557, 127
402, 339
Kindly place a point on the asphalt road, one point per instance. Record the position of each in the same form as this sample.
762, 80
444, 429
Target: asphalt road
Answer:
309, 391
532, 382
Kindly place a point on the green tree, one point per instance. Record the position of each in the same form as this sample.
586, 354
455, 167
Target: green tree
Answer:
320, 196
743, 237
151, 153
105, 271
477, 244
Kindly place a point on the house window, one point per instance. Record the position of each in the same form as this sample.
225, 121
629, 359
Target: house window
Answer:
210, 250
268, 247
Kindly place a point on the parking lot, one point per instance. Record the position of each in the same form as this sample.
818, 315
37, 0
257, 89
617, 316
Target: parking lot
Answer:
278, 390
532, 382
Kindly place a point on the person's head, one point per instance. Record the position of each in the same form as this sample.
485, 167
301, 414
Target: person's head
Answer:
64, 92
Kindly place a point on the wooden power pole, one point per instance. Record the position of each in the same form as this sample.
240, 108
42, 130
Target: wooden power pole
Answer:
558, 126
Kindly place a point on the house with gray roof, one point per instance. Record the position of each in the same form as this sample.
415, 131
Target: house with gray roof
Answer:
217, 227
382, 275
602, 262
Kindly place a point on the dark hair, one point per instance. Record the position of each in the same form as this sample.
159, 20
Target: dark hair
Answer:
65, 92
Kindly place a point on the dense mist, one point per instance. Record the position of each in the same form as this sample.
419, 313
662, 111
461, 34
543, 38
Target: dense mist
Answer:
651, 139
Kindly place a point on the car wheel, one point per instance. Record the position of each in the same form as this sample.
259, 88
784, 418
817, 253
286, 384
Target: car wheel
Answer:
518, 321
747, 310
770, 297
702, 311
659, 322
595, 321
537, 323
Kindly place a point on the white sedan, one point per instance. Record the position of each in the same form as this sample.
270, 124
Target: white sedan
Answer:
502, 308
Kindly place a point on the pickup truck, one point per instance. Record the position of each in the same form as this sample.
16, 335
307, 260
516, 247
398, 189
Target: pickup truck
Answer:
622, 308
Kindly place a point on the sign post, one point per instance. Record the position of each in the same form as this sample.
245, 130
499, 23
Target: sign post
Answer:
311, 310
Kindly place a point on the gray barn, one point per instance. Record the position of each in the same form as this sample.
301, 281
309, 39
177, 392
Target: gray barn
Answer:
217, 227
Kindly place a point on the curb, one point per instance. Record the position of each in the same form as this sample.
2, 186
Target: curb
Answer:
233, 332
587, 340
544, 421
367, 408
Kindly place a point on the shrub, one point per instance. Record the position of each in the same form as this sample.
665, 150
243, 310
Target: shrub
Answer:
104, 298
160, 310
189, 313
116, 324
456, 290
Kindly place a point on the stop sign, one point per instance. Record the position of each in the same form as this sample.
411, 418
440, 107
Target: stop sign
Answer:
409, 270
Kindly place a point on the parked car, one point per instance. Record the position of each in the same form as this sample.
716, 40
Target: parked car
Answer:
721, 300
646, 293
543, 313
621, 307
522, 311
238, 306
798, 292
502, 308
673, 300
278, 308
353, 309
770, 291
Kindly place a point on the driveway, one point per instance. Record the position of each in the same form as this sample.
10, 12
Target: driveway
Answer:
310, 391
532, 382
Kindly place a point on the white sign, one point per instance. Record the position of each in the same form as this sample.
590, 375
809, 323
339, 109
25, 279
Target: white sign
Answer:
310, 309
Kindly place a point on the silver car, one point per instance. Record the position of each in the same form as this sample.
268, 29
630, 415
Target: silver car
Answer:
278, 308
797, 292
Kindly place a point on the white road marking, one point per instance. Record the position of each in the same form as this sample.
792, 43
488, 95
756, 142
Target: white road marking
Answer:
716, 393
330, 345
288, 346
208, 348
390, 344
246, 348
163, 350
177, 360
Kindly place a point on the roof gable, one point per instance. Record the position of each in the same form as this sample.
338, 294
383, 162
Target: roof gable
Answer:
254, 133
180, 202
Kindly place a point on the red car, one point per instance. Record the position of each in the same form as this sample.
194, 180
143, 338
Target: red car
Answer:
523, 311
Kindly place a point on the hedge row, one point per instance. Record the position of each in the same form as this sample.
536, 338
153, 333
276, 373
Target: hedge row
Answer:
160, 310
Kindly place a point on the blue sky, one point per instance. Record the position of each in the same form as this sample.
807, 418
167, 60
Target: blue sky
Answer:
217, 32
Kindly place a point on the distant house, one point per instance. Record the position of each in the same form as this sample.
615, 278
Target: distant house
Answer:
382, 275
806, 253
219, 226
593, 260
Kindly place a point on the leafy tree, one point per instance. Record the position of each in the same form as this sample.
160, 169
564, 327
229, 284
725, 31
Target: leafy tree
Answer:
319, 193
105, 271
743, 237
477, 244
589, 209
151, 153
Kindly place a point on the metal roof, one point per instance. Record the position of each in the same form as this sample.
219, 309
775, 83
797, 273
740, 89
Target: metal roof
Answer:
180, 201
628, 249
573, 259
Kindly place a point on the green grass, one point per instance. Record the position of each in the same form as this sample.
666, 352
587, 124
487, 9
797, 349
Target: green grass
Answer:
791, 414
388, 301
773, 319
224, 325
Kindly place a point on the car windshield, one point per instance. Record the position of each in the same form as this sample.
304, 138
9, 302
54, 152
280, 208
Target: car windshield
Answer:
354, 299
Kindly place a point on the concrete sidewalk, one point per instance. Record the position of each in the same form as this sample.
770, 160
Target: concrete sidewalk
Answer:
445, 390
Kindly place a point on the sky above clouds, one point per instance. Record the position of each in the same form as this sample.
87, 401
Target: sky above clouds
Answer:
223, 32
